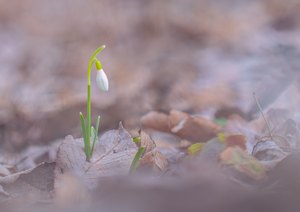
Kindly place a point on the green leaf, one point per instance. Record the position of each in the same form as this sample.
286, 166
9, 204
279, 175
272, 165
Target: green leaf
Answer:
136, 161
82, 121
95, 136
93, 133
136, 139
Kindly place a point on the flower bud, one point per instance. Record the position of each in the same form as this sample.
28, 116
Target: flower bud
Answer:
102, 80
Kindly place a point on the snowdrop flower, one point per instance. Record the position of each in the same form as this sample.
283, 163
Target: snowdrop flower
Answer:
102, 80
88, 131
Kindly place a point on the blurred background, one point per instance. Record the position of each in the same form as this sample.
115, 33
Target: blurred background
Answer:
190, 55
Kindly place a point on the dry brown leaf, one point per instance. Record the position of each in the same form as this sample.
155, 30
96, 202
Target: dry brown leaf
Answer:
33, 155
155, 160
236, 140
176, 117
156, 120
169, 145
30, 185
113, 155
243, 162
146, 142
152, 158
192, 128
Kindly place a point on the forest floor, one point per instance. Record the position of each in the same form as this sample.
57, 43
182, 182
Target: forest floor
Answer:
210, 88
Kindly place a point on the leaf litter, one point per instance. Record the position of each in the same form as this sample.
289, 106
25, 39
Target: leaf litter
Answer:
67, 179
229, 161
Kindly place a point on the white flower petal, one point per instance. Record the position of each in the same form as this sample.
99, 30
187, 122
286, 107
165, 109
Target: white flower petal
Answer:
102, 80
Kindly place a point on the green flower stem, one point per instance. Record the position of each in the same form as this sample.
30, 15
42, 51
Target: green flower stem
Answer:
88, 130
88, 126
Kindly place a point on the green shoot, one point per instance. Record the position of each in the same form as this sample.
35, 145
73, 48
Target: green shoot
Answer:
95, 136
83, 133
136, 161
136, 139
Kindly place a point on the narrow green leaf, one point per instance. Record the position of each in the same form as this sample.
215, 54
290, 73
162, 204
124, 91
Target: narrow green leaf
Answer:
83, 127
93, 133
96, 133
136, 161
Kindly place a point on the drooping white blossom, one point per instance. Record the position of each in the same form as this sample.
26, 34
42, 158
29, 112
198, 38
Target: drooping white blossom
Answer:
102, 80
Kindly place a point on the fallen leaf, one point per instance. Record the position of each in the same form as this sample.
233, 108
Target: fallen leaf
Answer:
113, 155
236, 140
268, 153
155, 160
146, 142
284, 139
193, 128
29, 186
156, 120
34, 155
151, 158
176, 117
167, 140
243, 162
238, 126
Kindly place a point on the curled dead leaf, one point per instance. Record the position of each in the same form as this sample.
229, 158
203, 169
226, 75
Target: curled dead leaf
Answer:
268, 153
283, 140
154, 160
151, 158
243, 162
146, 142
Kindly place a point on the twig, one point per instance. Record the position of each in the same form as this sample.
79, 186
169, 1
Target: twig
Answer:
263, 115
